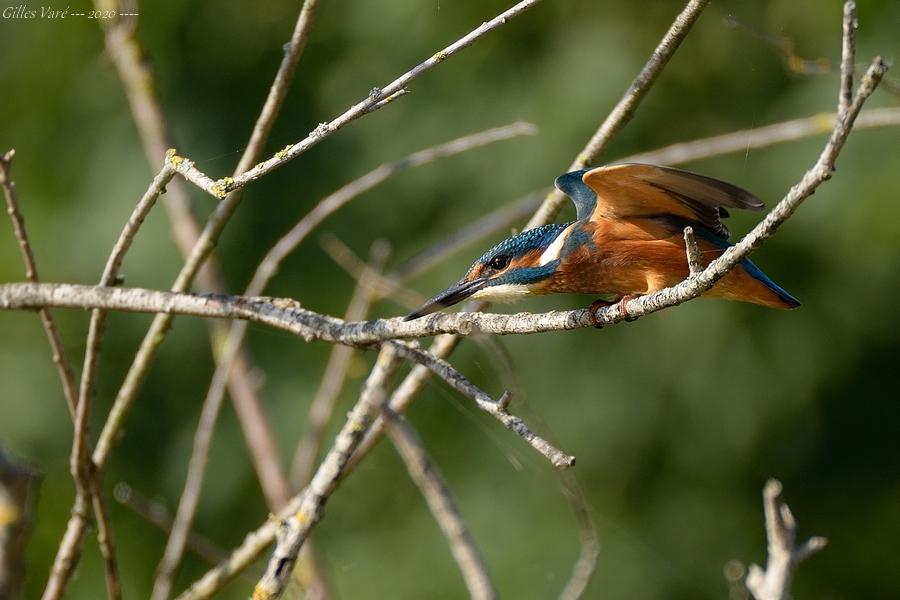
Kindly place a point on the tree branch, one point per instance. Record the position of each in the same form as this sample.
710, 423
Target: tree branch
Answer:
295, 529
441, 503
784, 556
60, 358
323, 403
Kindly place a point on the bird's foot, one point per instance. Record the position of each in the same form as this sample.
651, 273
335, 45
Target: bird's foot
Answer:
594, 307
622, 302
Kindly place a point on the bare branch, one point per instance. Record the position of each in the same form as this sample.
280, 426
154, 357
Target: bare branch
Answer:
761, 137
403, 396
374, 100
693, 251
497, 409
278, 92
322, 405
295, 529
380, 286
586, 563
626, 107
158, 514
848, 56
63, 366
784, 556
440, 501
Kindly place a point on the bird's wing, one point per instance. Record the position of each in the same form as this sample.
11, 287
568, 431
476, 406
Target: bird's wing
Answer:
638, 190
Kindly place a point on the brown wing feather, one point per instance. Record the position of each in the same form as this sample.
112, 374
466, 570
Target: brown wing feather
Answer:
638, 190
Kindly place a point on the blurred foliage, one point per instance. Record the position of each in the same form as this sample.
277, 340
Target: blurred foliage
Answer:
677, 419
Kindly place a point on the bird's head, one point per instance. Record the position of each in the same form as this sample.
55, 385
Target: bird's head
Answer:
512, 269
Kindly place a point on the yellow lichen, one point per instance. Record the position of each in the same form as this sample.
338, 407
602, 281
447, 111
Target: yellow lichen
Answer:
282, 154
173, 158
219, 189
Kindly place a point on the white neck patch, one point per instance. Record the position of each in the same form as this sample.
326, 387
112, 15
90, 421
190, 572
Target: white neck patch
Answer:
504, 293
553, 250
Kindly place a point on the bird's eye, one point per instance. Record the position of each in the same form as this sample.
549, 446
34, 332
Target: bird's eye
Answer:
501, 261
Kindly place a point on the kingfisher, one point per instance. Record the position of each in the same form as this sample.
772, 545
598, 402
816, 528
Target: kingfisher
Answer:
627, 240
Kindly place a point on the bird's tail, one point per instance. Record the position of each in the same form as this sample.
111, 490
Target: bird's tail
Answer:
748, 283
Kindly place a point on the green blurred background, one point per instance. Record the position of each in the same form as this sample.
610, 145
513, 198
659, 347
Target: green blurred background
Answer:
677, 420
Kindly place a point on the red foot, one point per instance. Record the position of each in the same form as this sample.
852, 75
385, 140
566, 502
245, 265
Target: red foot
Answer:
595, 306
624, 310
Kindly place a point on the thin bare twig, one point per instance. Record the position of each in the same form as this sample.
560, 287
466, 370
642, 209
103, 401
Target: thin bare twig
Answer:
693, 251
295, 529
85, 476
484, 225
441, 503
624, 110
323, 403
60, 359
158, 514
104, 536
586, 564
848, 57
784, 555
372, 102
761, 137
379, 286
497, 409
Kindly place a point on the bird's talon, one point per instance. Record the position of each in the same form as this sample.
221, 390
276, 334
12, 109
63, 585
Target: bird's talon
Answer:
594, 307
622, 309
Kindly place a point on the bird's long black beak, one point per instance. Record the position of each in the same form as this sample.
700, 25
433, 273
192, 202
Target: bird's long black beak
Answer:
455, 293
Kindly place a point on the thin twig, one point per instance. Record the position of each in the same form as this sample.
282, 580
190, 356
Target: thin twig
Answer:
761, 137
60, 359
69, 389
693, 251
403, 396
586, 564
497, 409
295, 529
85, 476
374, 100
784, 555
484, 225
626, 107
379, 286
124, 48
158, 514
848, 56
441, 503
323, 403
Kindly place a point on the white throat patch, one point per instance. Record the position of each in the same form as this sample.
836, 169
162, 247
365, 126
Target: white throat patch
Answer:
553, 250
505, 293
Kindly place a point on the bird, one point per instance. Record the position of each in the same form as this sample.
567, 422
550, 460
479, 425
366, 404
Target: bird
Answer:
627, 240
